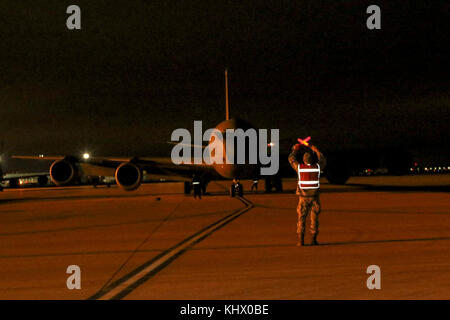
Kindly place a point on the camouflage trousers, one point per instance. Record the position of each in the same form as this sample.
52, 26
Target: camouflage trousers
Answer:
307, 206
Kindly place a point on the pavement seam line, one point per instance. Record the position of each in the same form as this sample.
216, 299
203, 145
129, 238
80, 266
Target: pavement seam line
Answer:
132, 280
142, 243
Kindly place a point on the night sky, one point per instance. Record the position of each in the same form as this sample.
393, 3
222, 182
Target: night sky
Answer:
140, 69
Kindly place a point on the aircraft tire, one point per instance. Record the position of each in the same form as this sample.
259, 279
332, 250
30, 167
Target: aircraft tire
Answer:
268, 185
241, 191
42, 181
232, 191
278, 184
187, 187
14, 183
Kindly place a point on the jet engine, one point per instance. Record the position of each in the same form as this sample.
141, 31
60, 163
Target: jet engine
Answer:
128, 176
63, 172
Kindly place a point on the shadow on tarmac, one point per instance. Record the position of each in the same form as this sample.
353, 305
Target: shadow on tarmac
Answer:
353, 187
382, 241
367, 187
108, 225
324, 244
262, 246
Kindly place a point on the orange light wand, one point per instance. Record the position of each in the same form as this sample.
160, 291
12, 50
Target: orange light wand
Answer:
304, 141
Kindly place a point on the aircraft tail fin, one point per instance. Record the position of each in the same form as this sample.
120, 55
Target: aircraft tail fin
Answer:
227, 107
2, 148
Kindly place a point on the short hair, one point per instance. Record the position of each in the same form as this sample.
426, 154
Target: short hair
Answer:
307, 158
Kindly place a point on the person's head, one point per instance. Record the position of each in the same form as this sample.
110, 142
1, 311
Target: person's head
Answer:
307, 158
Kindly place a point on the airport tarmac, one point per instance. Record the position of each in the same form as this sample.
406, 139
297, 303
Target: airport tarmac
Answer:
156, 243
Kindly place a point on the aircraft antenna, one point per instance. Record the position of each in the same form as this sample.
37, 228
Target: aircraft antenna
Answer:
227, 107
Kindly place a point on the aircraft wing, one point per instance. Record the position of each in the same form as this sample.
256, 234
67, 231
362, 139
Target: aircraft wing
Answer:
10, 176
155, 168
163, 168
14, 178
40, 157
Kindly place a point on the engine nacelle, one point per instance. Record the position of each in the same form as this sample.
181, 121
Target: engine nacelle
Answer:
63, 172
128, 176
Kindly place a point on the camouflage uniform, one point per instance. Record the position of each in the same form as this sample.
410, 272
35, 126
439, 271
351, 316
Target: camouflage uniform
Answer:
309, 200
306, 205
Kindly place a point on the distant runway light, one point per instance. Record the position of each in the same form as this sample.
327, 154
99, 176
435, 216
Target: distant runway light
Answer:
86, 156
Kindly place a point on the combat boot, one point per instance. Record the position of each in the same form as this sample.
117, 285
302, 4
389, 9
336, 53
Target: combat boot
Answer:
314, 240
300, 239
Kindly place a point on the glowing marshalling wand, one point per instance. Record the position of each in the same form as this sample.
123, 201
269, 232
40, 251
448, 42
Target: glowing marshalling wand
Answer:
304, 141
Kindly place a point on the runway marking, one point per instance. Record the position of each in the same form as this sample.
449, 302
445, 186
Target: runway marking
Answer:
125, 285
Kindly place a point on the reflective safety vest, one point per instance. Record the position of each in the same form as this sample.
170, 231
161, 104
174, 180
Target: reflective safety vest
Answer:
308, 176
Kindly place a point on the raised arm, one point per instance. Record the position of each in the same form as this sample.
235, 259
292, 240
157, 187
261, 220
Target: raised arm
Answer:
293, 156
321, 158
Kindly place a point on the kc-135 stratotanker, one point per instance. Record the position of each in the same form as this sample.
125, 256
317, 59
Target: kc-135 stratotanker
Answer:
128, 172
